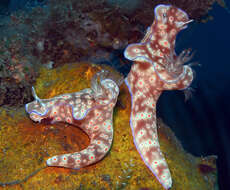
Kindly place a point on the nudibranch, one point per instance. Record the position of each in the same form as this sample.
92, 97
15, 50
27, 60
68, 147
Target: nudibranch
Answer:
156, 68
90, 109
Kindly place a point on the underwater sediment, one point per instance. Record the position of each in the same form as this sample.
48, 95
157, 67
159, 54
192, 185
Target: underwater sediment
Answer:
26, 145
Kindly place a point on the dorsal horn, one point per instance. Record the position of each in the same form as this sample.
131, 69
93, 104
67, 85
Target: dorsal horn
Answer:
36, 97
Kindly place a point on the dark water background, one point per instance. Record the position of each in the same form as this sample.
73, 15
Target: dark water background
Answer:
202, 124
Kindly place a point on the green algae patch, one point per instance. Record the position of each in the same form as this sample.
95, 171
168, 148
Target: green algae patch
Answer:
25, 146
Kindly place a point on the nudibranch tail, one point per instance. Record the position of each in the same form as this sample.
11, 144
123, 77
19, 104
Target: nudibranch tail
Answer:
100, 144
144, 131
90, 109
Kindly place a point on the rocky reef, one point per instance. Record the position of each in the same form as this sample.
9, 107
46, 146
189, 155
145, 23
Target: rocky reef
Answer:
62, 32
25, 145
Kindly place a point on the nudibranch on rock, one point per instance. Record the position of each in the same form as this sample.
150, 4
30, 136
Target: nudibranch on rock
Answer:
90, 109
156, 68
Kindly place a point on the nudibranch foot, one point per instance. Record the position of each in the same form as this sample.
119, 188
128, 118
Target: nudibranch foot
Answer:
90, 109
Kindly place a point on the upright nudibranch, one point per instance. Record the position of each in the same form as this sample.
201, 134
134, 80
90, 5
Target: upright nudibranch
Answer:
90, 109
156, 68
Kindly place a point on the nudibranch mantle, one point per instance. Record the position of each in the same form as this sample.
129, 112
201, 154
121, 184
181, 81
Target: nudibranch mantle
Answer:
156, 68
90, 109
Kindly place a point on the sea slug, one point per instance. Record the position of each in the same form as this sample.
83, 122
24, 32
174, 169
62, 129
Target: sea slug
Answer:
90, 109
156, 68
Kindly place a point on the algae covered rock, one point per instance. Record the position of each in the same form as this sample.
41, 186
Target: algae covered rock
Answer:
25, 146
